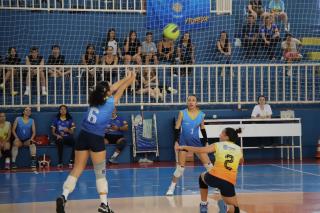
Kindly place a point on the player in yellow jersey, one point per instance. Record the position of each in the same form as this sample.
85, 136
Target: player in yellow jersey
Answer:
223, 175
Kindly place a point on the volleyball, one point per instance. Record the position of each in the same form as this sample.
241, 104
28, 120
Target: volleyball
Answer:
171, 31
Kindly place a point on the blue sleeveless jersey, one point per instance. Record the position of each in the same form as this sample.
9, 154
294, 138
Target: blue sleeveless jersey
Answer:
190, 129
24, 130
97, 119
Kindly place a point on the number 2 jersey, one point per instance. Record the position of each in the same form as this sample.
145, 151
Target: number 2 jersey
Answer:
227, 158
96, 119
190, 129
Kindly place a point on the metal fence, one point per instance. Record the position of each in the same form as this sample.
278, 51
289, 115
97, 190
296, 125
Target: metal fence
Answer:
132, 6
162, 84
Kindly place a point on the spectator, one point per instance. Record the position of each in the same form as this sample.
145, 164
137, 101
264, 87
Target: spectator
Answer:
24, 132
112, 41
34, 59
262, 110
109, 59
270, 37
56, 59
132, 49
166, 50
290, 49
276, 8
90, 58
255, 8
62, 129
115, 135
185, 51
149, 50
223, 48
5, 135
250, 33
150, 85
12, 58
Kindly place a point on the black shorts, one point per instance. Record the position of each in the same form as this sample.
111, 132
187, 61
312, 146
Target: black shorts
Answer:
113, 139
226, 188
89, 141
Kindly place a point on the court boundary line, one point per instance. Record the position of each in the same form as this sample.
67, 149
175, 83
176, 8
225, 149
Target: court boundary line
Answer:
296, 170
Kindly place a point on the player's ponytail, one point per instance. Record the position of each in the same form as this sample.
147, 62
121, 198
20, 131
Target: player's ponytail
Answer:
97, 96
233, 134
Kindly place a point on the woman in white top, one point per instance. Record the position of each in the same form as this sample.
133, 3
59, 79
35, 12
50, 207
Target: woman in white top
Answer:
261, 110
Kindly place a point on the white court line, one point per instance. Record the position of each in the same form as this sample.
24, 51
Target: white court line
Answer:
296, 170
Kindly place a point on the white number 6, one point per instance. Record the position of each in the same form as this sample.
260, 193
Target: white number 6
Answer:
92, 117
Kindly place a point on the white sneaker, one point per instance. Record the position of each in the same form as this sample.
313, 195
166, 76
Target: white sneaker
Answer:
44, 92
170, 191
172, 90
146, 160
2, 86
27, 92
142, 160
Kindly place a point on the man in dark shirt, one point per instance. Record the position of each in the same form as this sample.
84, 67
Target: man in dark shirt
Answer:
250, 33
56, 59
35, 61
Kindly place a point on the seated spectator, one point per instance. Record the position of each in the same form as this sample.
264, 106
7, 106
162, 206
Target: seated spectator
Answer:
166, 50
24, 132
112, 41
132, 49
223, 48
276, 8
185, 52
149, 50
250, 33
270, 37
35, 59
255, 8
115, 135
109, 59
56, 59
62, 129
90, 58
290, 49
5, 135
261, 110
150, 84
12, 58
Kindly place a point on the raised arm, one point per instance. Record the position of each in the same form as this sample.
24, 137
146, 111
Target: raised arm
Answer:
114, 87
129, 80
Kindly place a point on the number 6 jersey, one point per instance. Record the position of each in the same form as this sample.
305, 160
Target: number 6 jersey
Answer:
96, 119
227, 157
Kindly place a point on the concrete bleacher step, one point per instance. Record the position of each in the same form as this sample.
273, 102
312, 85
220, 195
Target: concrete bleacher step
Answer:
314, 56
310, 41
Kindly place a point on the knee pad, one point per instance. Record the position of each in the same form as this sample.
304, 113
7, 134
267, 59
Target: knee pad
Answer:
236, 209
70, 183
202, 184
179, 171
101, 181
121, 144
100, 169
208, 166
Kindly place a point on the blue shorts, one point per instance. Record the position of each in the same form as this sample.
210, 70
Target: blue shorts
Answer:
195, 143
89, 141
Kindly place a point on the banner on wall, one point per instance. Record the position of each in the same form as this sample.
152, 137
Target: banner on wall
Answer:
187, 14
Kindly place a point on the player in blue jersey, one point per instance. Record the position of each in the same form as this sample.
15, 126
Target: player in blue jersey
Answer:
91, 140
24, 132
115, 135
190, 120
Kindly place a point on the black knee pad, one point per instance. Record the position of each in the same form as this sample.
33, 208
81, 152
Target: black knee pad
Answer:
6, 154
236, 209
121, 144
202, 184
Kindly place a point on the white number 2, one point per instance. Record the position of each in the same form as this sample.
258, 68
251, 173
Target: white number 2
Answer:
92, 117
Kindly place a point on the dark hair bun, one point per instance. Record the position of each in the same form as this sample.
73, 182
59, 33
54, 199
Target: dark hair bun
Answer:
239, 130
